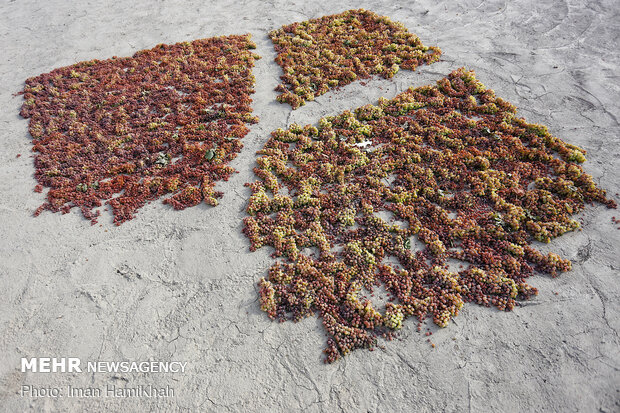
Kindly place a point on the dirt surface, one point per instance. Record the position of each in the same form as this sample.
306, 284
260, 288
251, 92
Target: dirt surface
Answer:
181, 285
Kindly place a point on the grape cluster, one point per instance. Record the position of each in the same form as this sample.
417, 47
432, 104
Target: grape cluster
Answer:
129, 130
456, 169
332, 51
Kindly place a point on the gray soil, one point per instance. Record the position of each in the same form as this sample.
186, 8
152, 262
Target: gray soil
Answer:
181, 286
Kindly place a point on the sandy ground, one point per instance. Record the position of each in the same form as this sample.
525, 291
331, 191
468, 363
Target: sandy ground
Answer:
181, 286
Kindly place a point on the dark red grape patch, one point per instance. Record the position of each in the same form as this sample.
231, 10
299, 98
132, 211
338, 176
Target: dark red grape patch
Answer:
124, 131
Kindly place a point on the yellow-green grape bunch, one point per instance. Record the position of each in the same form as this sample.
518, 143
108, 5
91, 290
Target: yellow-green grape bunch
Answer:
332, 51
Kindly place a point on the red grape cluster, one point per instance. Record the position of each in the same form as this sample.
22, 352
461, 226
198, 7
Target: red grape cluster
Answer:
332, 51
456, 169
129, 130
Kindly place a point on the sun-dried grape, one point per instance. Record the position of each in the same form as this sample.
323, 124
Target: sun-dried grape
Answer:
454, 168
332, 51
126, 131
